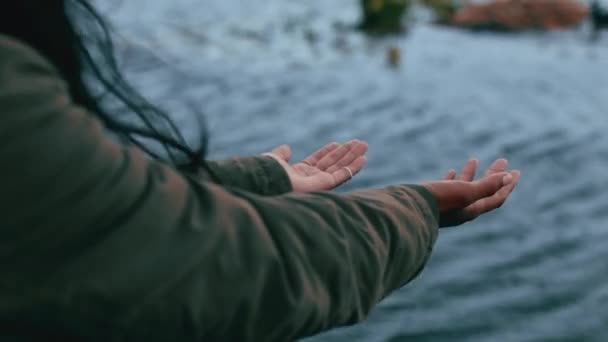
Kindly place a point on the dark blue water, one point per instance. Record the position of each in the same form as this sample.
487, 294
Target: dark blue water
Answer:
278, 71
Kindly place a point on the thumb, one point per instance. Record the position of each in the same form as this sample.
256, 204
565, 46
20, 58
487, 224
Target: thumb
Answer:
489, 185
283, 152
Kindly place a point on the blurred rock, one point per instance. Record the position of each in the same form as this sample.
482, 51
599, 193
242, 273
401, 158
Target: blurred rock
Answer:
383, 16
599, 17
517, 15
393, 55
443, 10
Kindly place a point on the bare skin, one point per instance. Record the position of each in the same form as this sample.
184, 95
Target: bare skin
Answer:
325, 169
461, 198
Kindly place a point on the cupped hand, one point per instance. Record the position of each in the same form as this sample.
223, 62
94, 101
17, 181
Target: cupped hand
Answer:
327, 168
462, 199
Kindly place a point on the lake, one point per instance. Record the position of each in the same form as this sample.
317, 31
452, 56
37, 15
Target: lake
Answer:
278, 71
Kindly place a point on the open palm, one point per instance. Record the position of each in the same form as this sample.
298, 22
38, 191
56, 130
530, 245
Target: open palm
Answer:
327, 168
468, 199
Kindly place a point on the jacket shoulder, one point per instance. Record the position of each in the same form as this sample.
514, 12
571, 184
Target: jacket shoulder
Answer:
16, 56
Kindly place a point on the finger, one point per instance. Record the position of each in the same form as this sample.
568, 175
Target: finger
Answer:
357, 164
488, 186
343, 174
451, 175
469, 170
357, 149
335, 155
314, 158
500, 165
283, 152
493, 202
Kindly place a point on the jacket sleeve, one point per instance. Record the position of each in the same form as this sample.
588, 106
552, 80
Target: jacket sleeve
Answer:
261, 175
103, 243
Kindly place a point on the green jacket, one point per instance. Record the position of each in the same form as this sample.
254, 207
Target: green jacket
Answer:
98, 242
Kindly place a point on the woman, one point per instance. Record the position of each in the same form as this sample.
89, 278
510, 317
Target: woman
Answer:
100, 241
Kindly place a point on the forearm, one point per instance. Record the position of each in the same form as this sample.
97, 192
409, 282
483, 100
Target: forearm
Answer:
260, 175
294, 265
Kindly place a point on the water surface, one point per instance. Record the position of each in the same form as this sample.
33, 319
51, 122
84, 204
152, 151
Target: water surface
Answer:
278, 71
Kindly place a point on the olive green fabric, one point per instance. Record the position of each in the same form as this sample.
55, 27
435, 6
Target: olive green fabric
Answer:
260, 175
100, 242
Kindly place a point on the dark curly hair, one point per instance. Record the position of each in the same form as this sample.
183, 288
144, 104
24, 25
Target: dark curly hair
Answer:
77, 40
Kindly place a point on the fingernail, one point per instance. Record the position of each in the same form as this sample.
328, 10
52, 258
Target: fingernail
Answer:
507, 179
